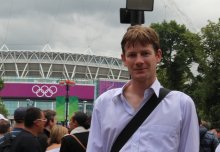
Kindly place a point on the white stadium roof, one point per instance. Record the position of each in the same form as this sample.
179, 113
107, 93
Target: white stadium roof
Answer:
46, 65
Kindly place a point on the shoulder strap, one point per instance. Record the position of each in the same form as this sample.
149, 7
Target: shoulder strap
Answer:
138, 119
78, 141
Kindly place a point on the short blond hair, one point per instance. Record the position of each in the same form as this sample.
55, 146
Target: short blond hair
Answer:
142, 35
57, 133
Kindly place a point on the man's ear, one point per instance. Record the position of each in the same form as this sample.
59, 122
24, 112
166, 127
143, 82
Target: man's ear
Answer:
75, 123
159, 55
123, 59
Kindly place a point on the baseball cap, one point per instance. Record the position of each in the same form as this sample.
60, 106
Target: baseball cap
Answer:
19, 113
3, 117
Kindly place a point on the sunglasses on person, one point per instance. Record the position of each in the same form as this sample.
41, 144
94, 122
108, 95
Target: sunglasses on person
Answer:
44, 120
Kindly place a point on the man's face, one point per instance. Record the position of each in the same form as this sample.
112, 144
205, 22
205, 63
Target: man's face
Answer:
40, 123
53, 122
72, 124
141, 61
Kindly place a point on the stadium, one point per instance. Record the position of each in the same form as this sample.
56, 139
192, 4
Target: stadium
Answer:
32, 78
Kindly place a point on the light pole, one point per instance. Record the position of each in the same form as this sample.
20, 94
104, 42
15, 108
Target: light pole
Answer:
84, 106
30, 103
67, 83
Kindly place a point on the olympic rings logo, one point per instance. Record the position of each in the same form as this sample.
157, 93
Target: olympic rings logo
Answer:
44, 90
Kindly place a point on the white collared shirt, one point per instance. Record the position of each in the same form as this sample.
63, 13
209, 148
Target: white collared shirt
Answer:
171, 127
218, 148
78, 129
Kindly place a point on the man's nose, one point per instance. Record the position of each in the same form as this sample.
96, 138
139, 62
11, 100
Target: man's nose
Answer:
139, 59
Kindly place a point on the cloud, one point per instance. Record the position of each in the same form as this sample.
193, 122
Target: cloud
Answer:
85, 26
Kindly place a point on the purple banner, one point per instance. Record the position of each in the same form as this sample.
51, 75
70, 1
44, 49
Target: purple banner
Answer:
45, 91
107, 85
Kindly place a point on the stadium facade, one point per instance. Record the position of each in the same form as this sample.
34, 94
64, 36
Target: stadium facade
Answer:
32, 77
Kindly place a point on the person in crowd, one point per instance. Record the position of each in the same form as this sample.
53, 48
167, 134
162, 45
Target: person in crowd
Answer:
78, 138
206, 124
214, 131
4, 133
2, 117
44, 137
218, 134
172, 126
51, 121
208, 140
19, 115
56, 134
4, 127
26, 141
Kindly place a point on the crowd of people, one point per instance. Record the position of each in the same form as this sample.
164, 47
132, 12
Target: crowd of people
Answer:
37, 130
169, 121
40, 132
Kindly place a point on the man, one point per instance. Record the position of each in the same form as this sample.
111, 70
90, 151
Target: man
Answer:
172, 126
7, 140
2, 117
79, 125
50, 115
4, 128
26, 141
19, 115
4, 133
208, 140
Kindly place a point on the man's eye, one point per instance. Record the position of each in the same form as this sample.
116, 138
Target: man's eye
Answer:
131, 55
145, 54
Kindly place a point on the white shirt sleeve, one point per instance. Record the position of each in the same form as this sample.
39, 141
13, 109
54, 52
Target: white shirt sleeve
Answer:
218, 148
189, 138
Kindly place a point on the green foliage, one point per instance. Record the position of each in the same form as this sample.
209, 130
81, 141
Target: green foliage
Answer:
210, 70
1, 84
214, 116
182, 49
178, 45
3, 110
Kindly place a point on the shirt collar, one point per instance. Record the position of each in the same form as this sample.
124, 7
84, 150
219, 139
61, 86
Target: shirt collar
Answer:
78, 130
155, 88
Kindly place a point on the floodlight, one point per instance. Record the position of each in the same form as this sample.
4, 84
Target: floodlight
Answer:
132, 17
141, 5
125, 16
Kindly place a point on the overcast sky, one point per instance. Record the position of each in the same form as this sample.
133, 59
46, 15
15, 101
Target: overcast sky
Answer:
88, 26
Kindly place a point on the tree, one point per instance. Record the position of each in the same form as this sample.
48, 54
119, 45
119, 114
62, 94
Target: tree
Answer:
1, 84
210, 71
178, 45
3, 109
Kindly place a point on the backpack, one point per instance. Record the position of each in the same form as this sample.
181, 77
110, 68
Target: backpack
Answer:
5, 145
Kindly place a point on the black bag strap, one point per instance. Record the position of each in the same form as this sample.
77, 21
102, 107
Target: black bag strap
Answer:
78, 141
138, 119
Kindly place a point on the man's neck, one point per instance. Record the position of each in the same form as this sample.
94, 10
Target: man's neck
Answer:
19, 125
141, 86
32, 131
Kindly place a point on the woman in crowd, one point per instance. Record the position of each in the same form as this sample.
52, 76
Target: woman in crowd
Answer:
56, 135
77, 140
